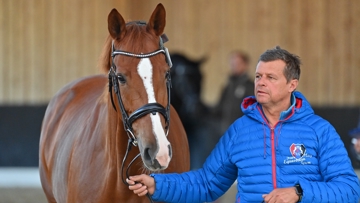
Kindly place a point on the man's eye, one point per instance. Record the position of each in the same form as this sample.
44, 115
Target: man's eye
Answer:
121, 79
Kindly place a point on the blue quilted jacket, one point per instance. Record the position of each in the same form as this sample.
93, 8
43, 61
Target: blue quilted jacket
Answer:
301, 148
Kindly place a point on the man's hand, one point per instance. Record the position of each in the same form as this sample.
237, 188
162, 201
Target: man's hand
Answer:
144, 184
281, 195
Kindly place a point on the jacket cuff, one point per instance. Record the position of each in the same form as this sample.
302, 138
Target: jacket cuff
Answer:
157, 191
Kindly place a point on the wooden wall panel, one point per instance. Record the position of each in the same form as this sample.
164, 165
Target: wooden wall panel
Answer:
354, 63
5, 45
310, 47
47, 43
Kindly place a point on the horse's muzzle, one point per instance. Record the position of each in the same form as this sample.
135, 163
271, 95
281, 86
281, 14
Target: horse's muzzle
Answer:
156, 160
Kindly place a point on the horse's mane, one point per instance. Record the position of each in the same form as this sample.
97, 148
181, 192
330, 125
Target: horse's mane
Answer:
105, 58
135, 35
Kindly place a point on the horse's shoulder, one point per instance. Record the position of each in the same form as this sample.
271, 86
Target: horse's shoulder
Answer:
77, 94
71, 104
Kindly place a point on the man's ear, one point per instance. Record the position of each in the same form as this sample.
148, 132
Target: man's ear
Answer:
293, 85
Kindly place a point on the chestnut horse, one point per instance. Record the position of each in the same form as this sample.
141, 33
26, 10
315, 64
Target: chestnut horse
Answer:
91, 123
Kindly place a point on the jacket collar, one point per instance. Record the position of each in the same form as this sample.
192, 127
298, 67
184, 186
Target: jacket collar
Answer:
285, 114
299, 104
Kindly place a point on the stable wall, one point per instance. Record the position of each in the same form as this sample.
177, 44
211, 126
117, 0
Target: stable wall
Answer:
47, 43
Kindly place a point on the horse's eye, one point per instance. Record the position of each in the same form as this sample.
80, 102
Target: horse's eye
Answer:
121, 79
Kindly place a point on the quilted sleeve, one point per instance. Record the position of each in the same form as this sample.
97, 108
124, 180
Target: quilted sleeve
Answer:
340, 183
205, 184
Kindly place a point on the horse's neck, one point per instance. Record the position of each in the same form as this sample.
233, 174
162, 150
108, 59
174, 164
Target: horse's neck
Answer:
116, 141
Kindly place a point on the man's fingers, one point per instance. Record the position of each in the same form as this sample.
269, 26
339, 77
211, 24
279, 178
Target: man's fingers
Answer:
267, 197
141, 190
143, 193
130, 182
136, 178
141, 184
135, 186
138, 188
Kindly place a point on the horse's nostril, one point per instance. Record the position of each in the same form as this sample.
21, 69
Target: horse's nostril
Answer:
147, 155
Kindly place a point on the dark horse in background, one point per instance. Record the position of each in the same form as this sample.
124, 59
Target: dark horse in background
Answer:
200, 124
91, 123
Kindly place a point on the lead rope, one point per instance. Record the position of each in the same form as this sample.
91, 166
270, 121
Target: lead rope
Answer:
128, 167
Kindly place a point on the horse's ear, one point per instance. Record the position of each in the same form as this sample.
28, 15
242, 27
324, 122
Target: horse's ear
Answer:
157, 20
116, 25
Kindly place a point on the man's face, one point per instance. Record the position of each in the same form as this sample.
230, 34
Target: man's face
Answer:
357, 145
237, 65
271, 87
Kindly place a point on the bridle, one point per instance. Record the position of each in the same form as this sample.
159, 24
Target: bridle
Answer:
147, 108
152, 108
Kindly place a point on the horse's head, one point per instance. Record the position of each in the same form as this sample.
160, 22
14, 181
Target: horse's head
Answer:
186, 78
140, 67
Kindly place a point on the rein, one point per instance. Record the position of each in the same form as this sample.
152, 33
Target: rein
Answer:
152, 108
128, 167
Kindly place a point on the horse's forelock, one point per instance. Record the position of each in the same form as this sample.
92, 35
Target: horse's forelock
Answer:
133, 42
138, 40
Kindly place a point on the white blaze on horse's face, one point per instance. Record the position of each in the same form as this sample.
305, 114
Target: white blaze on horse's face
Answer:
145, 71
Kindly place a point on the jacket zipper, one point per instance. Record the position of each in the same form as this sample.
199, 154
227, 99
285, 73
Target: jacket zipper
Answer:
273, 157
272, 137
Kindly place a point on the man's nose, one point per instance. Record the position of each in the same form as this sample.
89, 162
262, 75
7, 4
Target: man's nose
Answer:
260, 81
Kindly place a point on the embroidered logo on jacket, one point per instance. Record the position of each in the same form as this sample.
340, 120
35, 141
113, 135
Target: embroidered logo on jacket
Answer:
298, 155
297, 150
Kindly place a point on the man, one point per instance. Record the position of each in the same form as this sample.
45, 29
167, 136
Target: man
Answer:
279, 151
355, 147
239, 86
